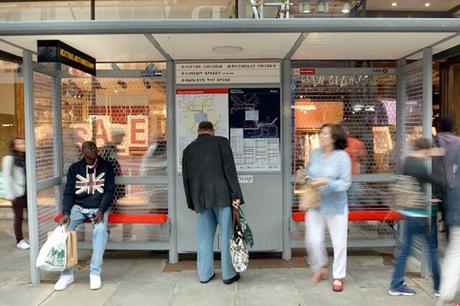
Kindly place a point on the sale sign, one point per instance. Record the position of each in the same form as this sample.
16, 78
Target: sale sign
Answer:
135, 132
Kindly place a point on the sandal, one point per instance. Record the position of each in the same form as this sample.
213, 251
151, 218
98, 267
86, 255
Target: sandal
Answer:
337, 285
320, 275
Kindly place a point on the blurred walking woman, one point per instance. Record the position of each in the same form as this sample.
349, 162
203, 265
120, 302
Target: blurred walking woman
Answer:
14, 180
330, 170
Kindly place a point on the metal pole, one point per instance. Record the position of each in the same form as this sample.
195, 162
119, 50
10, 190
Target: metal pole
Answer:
57, 131
286, 155
93, 9
400, 135
171, 154
400, 118
427, 133
32, 211
364, 8
180, 26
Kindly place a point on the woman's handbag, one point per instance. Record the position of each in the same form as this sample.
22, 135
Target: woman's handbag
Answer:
408, 195
309, 198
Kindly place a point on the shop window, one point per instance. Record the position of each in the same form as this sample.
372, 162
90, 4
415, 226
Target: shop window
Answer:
126, 117
366, 106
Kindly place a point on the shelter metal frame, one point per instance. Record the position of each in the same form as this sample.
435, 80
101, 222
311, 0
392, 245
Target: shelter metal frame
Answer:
147, 28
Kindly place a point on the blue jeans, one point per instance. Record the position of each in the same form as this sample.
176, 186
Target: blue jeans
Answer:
100, 235
207, 221
417, 226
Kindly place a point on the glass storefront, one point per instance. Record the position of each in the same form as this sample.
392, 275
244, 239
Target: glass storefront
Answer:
11, 93
221, 9
11, 109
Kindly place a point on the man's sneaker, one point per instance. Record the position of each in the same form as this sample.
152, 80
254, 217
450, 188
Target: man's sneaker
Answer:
63, 282
23, 245
401, 290
436, 294
95, 282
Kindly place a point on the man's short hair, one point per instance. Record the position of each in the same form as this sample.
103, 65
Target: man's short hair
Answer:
446, 124
87, 144
205, 126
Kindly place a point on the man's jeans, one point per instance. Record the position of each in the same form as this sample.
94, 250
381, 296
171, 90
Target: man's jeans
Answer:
207, 221
417, 226
77, 216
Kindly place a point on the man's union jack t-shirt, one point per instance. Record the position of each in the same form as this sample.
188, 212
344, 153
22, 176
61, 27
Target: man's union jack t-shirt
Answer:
89, 186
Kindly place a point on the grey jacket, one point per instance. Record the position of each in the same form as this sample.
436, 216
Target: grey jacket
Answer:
453, 203
14, 179
449, 142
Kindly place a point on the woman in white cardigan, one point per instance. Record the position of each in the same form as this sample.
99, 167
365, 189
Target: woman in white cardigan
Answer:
14, 181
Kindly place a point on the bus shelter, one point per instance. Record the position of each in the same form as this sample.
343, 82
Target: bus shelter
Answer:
268, 85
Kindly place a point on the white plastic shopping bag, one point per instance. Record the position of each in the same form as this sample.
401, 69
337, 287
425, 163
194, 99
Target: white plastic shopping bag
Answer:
52, 256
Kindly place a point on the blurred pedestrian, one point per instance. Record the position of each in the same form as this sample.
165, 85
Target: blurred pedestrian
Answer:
330, 170
444, 166
418, 221
450, 282
14, 179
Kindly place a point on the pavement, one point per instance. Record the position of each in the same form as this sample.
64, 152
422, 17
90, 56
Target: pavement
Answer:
136, 278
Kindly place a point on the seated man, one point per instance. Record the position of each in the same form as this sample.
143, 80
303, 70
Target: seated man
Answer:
88, 194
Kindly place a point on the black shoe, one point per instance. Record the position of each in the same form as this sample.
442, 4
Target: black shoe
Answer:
210, 279
232, 280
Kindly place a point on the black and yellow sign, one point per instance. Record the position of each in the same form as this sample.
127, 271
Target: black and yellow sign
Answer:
59, 52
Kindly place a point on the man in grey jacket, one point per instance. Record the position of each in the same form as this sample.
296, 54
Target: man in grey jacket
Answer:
444, 166
450, 276
211, 187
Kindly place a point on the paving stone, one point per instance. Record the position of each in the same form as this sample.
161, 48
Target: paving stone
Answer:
78, 294
20, 294
140, 296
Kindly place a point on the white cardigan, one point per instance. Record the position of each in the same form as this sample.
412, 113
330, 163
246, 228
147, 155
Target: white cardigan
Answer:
14, 179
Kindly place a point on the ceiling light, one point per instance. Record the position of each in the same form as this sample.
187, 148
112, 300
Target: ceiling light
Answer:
226, 50
427, 4
394, 4
304, 7
346, 8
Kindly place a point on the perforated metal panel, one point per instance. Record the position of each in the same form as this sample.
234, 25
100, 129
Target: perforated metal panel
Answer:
413, 111
126, 117
366, 105
45, 159
47, 209
45, 153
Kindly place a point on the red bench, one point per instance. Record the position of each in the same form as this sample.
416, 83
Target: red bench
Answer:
360, 215
117, 218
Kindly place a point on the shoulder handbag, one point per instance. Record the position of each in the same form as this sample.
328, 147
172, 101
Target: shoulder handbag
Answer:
239, 249
407, 193
309, 198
